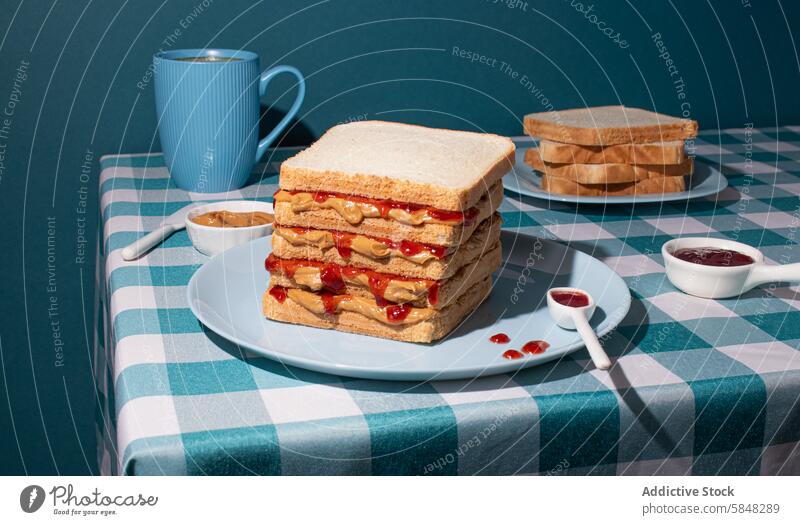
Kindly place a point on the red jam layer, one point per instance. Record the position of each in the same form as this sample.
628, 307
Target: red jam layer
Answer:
331, 277
278, 292
395, 313
344, 241
709, 256
385, 206
572, 299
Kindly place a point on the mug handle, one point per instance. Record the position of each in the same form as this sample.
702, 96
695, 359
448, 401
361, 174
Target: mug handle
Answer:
266, 77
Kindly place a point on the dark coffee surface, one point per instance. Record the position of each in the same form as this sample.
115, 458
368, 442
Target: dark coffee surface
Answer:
208, 59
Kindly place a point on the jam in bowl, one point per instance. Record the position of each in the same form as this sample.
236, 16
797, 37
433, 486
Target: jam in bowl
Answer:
719, 268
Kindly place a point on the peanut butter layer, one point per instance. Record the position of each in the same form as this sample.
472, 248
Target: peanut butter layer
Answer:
353, 220
421, 293
355, 209
434, 326
319, 247
335, 304
375, 248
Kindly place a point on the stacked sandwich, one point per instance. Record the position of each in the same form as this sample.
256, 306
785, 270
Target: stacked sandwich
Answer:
611, 150
387, 229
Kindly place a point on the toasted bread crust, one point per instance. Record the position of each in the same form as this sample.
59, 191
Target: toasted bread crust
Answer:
607, 173
481, 241
383, 187
541, 125
426, 331
651, 153
449, 290
441, 234
641, 187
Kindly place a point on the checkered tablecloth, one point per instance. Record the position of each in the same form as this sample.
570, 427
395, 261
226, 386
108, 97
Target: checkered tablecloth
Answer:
699, 386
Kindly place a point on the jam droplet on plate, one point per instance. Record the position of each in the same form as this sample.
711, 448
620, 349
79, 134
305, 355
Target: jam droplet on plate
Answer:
535, 347
512, 354
500, 339
710, 256
571, 299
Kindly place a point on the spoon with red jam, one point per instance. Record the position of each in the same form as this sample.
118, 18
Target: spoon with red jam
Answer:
719, 268
571, 308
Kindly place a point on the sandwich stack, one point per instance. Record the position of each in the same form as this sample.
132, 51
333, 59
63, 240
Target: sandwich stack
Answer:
388, 230
610, 150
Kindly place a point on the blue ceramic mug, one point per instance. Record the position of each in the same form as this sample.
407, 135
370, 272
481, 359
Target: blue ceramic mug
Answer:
207, 104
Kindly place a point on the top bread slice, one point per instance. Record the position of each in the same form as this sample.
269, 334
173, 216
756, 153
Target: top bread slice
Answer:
672, 152
441, 168
608, 125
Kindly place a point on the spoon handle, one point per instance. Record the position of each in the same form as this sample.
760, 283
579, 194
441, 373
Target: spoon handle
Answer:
142, 245
598, 355
773, 273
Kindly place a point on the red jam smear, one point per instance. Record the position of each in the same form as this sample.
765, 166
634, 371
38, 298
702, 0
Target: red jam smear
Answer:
378, 284
571, 299
331, 277
512, 354
344, 241
500, 339
384, 206
710, 256
278, 292
433, 293
331, 302
535, 347
397, 313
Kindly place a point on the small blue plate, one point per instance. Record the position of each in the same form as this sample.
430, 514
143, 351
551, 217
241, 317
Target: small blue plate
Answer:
706, 180
225, 295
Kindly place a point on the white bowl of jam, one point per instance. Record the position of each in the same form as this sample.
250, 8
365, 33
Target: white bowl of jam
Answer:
719, 268
214, 228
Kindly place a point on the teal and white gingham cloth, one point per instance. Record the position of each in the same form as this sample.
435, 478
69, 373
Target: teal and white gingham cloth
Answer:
699, 386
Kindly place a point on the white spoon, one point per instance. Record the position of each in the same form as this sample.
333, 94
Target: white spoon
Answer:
171, 224
577, 318
717, 282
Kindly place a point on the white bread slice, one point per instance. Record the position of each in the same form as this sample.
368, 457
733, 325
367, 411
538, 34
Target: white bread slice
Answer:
431, 233
447, 169
672, 152
435, 327
607, 173
447, 292
644, 186
480, 242
605, 125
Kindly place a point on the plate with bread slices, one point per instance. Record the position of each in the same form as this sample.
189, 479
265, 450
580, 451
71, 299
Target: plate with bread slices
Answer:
611, 155
387, 261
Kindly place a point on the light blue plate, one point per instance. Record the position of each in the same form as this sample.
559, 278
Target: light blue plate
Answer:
225, 295
706, 180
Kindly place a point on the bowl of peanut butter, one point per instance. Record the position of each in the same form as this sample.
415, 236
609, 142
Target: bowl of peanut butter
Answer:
216, 227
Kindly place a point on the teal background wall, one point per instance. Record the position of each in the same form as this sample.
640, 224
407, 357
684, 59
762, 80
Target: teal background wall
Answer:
74, 74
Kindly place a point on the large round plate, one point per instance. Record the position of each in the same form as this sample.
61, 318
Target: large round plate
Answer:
706, 180
225, 295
